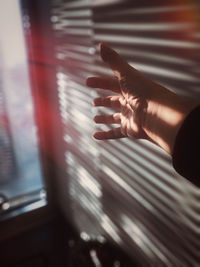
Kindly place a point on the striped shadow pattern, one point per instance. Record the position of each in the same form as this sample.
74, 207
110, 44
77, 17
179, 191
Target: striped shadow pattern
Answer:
127, 190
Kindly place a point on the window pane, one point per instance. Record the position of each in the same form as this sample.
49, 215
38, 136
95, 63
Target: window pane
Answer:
20, 170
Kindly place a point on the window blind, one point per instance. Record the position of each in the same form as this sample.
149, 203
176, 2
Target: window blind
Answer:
127, 190
7, 160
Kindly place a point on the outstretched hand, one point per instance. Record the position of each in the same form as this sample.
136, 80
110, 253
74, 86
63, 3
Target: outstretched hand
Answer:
134, 92
144, 108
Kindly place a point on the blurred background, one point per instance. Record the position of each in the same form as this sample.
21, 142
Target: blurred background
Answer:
66, 199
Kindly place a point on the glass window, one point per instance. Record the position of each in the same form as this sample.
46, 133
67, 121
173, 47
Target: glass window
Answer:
20, 171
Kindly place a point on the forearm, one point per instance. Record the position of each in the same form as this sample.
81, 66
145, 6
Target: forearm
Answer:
164, 116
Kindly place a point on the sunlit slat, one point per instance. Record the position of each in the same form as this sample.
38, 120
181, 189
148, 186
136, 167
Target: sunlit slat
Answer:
145, 41
181, 76
135, 26
75, 13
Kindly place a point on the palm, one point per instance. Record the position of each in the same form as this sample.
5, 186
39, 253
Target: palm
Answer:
128, 103
127, 116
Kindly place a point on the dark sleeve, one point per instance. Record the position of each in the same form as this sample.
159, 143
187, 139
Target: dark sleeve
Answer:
186, 153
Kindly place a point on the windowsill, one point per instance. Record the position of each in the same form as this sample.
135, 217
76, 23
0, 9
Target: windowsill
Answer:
25, 218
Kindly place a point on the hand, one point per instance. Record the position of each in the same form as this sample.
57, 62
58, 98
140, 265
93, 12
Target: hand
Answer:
134, 92
145, 109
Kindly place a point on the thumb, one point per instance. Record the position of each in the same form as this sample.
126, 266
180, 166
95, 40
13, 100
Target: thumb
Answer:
118, 65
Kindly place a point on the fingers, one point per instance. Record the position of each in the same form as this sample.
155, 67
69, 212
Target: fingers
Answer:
106, 83
109, 102
118, 65
108, 119
111, 134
